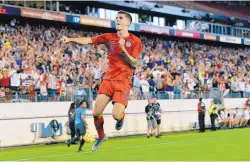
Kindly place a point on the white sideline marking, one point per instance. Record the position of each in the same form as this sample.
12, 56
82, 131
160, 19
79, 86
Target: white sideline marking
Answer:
130, 147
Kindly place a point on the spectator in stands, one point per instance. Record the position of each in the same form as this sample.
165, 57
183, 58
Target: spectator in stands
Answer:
30, 55
152, 88
137, 85
223, 117
230, 116
237, 117
15, 79
5, 78
246, 117
145, 87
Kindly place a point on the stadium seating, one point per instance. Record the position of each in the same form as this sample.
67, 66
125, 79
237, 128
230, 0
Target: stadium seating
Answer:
35, 66
219, 8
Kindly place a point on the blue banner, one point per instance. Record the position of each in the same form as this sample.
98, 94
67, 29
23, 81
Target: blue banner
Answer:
137, 27
73, 19
5, 10
113, 24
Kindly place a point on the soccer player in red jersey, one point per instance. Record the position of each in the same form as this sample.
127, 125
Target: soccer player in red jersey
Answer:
124, 51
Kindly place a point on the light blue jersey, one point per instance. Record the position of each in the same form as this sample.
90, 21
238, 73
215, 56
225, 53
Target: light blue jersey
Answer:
78, 113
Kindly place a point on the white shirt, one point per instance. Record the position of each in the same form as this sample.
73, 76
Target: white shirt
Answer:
155, 73
2, 64
246, 114
15, 80
235, 86
26, 81
242, 86
223, 115
238, 113
37, 80
185, 77
98, 73
209, 83
146, 59
191, 84
2, 94
248, 88
52, 81
43, 90
145, 85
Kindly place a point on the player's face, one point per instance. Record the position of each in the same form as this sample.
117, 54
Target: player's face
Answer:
121, 22
150, 101
155, 100
84, 105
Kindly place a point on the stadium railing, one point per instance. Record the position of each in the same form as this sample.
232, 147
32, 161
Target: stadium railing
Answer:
87, 94
75, 95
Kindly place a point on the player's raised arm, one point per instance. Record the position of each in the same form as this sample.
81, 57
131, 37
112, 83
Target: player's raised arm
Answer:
82, 40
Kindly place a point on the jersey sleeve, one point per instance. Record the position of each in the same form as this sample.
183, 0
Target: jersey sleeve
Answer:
99, 39
160, 108
137, 49
83, 112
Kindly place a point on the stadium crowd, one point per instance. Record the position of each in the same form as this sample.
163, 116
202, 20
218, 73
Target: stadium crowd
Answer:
33, 62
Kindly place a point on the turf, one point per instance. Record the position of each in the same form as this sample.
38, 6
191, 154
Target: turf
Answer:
224, 145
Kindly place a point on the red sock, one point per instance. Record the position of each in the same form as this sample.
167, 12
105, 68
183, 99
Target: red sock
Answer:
99, 121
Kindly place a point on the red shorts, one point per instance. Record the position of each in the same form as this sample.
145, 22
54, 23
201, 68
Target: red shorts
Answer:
118, 90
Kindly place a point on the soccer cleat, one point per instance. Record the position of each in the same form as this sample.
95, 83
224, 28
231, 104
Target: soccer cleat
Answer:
99, 142
68, 142
119, 124
79, 150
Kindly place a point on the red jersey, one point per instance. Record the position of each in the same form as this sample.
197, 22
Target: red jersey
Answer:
247, 103
5, 82
118, 68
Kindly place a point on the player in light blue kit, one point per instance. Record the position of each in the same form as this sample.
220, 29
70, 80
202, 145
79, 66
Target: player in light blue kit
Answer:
80, 125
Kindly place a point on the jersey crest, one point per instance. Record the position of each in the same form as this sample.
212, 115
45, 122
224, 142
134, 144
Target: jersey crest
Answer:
128, 43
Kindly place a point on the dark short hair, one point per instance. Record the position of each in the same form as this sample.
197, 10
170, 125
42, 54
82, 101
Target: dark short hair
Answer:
72, 105
82, 102
200, 99
126, 14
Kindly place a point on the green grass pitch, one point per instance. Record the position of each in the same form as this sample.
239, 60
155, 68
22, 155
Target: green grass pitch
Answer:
224, 145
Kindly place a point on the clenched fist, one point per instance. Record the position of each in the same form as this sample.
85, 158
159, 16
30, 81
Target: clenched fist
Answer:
122, 43
65, 39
